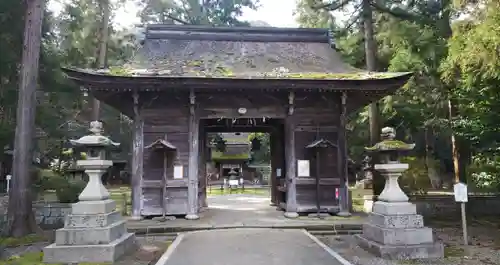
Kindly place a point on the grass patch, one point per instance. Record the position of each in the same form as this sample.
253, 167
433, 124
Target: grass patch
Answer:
453, 252
36, 258
15, 242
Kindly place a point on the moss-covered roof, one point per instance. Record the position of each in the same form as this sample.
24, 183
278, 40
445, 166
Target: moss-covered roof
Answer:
243, 53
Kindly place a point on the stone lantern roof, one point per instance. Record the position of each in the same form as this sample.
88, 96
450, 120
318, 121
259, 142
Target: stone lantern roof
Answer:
388, 143
96, 139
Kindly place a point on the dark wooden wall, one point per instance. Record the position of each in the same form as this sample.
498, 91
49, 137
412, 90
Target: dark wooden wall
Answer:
165, 115
316, 115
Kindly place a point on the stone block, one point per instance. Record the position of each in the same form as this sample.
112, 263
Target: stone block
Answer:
89, 253
394, 208
97, 220
396, 221
90, 236
398, 236
93, 207
402, 252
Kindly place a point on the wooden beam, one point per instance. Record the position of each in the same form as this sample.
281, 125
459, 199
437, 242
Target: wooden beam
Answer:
194, 128
237, 36
216, 113
291, 162
137, 158
342, 157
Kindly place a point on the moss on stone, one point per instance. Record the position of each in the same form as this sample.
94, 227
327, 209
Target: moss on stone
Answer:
195, 63
387, 145
119, 71
341, 76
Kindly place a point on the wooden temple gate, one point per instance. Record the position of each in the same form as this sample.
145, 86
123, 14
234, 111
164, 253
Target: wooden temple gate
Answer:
186, 81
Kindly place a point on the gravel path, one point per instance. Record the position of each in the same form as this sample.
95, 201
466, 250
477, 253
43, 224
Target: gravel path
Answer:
483, 249
249, 247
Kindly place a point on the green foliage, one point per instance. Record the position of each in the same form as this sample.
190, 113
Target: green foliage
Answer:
68, 191
261, 147
415, 179
484, 172
15, 241
215, 12
218, 142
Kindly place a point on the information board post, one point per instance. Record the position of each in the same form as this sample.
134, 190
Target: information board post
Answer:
460, 192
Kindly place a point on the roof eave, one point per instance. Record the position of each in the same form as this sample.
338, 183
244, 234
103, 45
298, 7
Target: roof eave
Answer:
97, 81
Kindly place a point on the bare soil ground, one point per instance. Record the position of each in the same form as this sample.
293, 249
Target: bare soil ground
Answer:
483, 249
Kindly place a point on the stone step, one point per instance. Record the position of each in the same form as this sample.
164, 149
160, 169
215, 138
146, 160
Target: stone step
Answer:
89, 253
90, 235
396, 221
403, 252
394, 208
398, 236
86, 220
93, 207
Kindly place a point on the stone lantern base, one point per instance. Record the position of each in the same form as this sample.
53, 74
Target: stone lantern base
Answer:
93, 232
395, 231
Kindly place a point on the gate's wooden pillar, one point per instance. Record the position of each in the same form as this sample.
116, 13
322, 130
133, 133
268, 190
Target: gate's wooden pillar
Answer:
291, 161
342, 157
202, 171
194, 154
273, 179
137, 159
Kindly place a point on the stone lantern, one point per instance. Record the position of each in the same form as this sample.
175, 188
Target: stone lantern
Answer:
389, 151
394, 229
95, 165
94, 231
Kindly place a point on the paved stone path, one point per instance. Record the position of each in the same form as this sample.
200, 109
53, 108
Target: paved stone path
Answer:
249, 246
243, 210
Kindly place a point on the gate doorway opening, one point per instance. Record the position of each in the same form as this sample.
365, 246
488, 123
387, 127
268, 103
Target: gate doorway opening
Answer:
243, 162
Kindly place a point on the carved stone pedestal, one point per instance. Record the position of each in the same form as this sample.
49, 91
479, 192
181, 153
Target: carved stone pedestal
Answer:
396, 231
93, 232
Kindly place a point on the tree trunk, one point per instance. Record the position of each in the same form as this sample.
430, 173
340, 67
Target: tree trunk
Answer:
20, 214
103, 47
457, 153
373, 111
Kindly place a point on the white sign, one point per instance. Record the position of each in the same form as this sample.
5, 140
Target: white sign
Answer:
178, 172
241, 180
460, 192
278, 172
303, 168
233, 182
8, 177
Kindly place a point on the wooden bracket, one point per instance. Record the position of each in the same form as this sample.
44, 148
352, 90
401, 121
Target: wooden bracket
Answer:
344, 98
135, 96
192, 101
291, 102
343, 110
